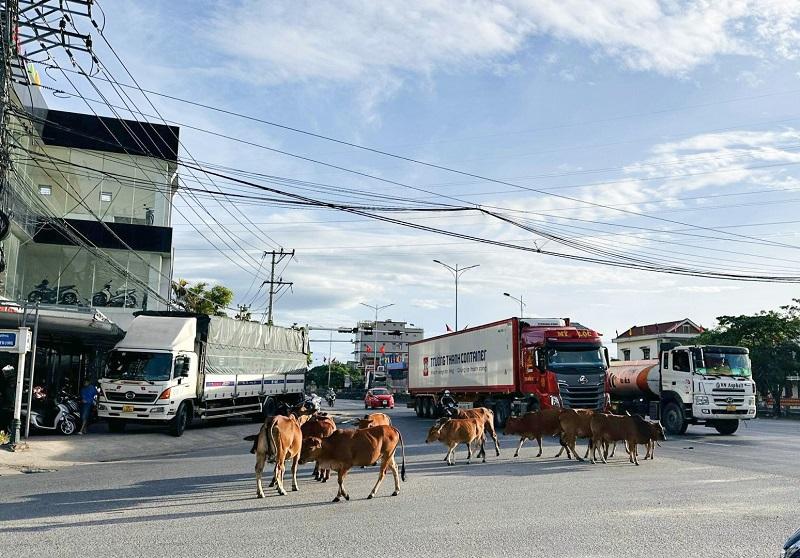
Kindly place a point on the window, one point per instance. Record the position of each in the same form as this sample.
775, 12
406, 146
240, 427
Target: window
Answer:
685, 328
665, 364
680, 361
646, 353
626, 354
45, 190
105, 196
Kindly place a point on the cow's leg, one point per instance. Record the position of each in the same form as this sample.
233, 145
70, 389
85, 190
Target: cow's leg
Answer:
316, 475
451, 454
381, 475
295, 462
280, 468
469, 451
589, 447
613, 449
571, 445
340, 492
595, 441
634, 453
396, 474
564, 446
260, 459
519, 446
341, 482
493, 433
539, 441
482, 453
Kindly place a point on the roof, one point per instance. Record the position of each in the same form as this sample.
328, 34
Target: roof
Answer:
655, 329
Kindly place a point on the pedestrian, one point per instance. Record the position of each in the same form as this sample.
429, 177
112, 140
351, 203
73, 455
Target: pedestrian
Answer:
88, 397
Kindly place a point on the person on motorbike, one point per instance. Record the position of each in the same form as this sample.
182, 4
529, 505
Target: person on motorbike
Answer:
330, 396
448, 404
88, 399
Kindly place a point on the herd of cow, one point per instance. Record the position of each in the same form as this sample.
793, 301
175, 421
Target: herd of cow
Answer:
302, 438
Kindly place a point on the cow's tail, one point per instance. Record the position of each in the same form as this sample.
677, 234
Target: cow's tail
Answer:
403, 454
272, 446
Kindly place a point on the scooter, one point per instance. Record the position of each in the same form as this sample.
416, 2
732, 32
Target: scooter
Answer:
62, 414
331, 397
449, 410
65, 294
122, 298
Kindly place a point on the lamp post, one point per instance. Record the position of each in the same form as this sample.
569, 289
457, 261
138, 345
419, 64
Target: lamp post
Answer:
457, 272
374, 338
521, 304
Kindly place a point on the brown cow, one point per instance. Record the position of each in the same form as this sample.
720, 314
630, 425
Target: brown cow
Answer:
279, 438
534, 425
482, 413
374, 419
452, 432
345, 449
612, 428
656, 435
319, 426
575, 423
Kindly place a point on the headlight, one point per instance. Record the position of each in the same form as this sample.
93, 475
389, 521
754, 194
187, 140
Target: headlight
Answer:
791, 552
554, 401
701, 399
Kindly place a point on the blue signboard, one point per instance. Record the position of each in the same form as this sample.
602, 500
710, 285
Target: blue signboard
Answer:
8, 339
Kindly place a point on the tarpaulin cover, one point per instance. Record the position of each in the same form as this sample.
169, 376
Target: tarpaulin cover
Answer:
237, 347
156, 333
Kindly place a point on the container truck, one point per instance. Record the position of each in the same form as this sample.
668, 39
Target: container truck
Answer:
511, 366
173, 367
705, 385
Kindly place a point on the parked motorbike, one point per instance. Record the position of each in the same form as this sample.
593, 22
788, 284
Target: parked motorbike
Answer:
121, 298
65, 294
62, 414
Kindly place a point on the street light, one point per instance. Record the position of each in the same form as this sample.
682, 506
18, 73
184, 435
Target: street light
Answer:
521, 304
375, 338
457, 272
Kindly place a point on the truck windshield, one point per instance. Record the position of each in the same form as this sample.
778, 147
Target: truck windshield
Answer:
724, 364
148, 367
575, 357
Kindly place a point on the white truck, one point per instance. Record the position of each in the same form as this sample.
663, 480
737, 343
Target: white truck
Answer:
172, 367
705, 385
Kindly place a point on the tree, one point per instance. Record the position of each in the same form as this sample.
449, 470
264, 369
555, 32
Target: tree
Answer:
773, 338
199, 299
319, 375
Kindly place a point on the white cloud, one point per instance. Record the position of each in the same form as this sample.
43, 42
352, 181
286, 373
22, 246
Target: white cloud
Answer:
355, 40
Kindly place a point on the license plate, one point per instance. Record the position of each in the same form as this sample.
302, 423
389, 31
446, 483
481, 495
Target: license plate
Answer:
730, 408
127, 408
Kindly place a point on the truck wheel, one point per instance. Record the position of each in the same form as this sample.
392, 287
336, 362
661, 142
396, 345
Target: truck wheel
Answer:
673, 419
418, 407
533, 405
178, 424
429, 410
502, 410
116, 426
726, 427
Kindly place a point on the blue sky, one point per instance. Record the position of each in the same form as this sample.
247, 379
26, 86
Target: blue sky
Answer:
616, 102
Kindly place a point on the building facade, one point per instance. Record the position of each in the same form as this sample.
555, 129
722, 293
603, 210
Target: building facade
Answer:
644, 342
381, 351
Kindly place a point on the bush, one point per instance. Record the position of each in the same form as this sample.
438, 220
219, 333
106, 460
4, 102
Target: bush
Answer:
4, 438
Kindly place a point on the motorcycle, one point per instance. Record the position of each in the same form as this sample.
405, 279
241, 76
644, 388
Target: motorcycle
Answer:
448, 410
65, 294
121, 298
331, 397
62, 414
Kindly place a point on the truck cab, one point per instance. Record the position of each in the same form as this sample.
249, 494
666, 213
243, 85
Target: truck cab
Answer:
564, 365
709, 385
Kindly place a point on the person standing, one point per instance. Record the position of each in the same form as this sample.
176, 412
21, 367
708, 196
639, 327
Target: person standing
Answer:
88, 400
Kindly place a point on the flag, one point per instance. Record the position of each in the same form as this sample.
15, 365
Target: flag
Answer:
369, 349
383, 349
448, 327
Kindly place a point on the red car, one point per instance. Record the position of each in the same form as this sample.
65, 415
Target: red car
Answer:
378, 397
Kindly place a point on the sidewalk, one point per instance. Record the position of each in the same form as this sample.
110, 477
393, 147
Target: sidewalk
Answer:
50, 452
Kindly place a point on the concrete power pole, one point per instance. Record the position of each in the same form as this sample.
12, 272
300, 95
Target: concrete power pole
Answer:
276, 286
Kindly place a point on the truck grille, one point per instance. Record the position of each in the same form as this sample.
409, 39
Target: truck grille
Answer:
588, 396
137, 397
723, 401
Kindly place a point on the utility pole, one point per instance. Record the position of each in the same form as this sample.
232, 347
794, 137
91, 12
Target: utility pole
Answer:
276, 286
522, 305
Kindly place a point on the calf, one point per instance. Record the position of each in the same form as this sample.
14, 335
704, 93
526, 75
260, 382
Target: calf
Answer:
280, 438
575, 423
319, 426
345, 449
452, 432
534, 425
612, 428
656, 435
374, 419
487, 416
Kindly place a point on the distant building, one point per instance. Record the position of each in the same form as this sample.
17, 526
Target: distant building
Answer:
644, 342
381, 351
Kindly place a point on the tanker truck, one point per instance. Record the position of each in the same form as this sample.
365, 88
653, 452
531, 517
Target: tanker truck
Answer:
704, 385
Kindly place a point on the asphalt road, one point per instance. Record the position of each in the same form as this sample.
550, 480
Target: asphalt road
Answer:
704, 495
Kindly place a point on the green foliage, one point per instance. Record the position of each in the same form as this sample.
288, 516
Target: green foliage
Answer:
319, 376
201, 300
772, 337
4, 438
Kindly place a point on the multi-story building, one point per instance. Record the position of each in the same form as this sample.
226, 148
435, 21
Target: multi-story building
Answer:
644, 342
90, 203
381, 351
